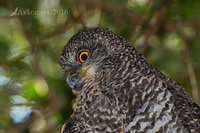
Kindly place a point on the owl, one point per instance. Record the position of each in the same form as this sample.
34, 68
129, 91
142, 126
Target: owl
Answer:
119, 92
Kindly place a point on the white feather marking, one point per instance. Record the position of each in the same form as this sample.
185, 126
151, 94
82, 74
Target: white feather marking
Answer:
144, 124
143, 95
166, 116
143, 108
133, 84
89, 70
138, 117
160, 96
140, 81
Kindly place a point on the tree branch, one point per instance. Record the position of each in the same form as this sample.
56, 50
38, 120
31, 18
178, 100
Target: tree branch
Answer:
155, 24
77, 15
141, 22
190, 68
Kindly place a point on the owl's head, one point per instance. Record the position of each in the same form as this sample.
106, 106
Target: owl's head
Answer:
88, 52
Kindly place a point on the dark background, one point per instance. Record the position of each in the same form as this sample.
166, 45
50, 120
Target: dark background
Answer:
34, 97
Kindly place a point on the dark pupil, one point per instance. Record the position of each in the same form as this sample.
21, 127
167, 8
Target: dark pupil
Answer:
83, 57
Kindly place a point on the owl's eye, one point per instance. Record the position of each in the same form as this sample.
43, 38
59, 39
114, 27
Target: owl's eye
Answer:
82, 57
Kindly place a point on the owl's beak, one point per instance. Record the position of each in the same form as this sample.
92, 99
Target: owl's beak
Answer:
74, 81
75, 78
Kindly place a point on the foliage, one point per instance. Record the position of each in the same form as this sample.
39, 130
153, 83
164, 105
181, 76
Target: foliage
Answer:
33, 92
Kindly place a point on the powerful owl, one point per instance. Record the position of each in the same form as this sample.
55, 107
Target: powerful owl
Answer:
119, 92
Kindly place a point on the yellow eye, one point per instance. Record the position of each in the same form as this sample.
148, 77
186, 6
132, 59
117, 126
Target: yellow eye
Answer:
83, 56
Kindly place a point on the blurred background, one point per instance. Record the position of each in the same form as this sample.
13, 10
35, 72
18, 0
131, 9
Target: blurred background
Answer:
34, 97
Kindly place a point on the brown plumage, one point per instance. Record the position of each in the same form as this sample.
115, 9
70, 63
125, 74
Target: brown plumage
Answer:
118, 91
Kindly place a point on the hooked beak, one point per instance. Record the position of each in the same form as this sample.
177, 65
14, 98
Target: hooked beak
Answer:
75, 78
74, 81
